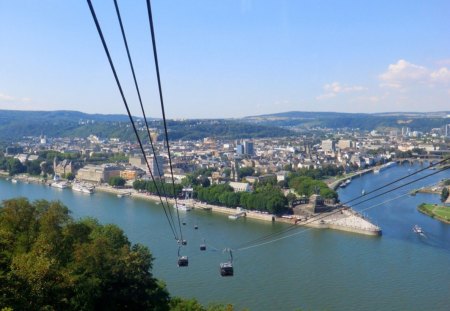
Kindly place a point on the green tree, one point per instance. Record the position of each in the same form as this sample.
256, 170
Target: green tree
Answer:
15, 167
444, 194
33, 167
245, 171
116, 181
49, 261
70, 176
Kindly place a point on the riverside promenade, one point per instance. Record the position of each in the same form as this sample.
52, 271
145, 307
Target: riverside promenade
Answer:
348, 220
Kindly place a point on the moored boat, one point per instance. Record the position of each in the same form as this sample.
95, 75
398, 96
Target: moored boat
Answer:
182, 207
59, 184
82, 188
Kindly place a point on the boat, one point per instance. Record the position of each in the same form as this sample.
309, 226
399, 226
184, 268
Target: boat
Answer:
82, 188
14, 181
418, 230
363, 192
376, 171
345, 183
236, 216
59, 185
182, 207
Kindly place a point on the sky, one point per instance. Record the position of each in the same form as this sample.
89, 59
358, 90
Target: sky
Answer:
228, 58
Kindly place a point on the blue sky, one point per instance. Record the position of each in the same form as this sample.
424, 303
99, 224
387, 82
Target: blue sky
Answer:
229, 58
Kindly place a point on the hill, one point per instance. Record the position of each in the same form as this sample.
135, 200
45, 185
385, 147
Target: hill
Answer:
17, 124
365, 121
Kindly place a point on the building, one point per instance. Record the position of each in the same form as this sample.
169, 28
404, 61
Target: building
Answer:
240, 186
240, 149
98, 173
345, 144
405, 131
62, 168
248, 147
447, 130
129, 174
328, 145
157, 166
10, 151
138, 161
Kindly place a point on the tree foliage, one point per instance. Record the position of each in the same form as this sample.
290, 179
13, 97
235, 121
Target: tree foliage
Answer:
33, 167
14, 166
444, 194
266, 198
304, 185
48, 261
162, 187
116, 181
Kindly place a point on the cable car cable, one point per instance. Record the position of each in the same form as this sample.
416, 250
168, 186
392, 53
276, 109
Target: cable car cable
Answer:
319, 217
394, 181
307, 229
125, 41
360, 196
155, 56
94, 16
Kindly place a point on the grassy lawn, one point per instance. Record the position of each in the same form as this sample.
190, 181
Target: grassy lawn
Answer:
438, 211
443, 212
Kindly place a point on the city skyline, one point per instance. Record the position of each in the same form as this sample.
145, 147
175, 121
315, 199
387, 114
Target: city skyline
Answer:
233, 59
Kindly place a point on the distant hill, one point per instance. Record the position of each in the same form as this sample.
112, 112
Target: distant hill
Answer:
321, 115
68, 115
421, 121
17, 124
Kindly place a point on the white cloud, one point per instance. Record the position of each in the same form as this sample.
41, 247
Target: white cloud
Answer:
404, 74
335, 88
4, 98
441, 75
401, 73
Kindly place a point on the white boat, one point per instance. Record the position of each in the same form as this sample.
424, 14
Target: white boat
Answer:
120, 195
418, 230
14, 181
363, 192
82, 188
182, 207
236, 216
60, 185
376, 171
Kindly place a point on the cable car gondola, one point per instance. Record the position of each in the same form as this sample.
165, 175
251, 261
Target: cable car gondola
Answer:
203, 246
183, 261
226, 268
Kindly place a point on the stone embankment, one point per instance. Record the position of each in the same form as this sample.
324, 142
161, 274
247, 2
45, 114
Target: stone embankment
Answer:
348, 220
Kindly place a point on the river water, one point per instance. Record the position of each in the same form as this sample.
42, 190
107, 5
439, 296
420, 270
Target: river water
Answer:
312, 270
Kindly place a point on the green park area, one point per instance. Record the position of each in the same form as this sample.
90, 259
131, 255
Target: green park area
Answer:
437, 211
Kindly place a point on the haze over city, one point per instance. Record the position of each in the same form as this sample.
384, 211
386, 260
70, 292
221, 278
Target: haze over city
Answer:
229, 59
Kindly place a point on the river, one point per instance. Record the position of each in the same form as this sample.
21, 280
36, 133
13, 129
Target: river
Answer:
313, 270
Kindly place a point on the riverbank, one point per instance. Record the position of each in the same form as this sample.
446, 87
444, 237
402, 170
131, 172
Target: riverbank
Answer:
435, 189
348, 220
333, 184
439, 212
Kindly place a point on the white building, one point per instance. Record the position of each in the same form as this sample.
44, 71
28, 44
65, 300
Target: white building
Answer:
240, 186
